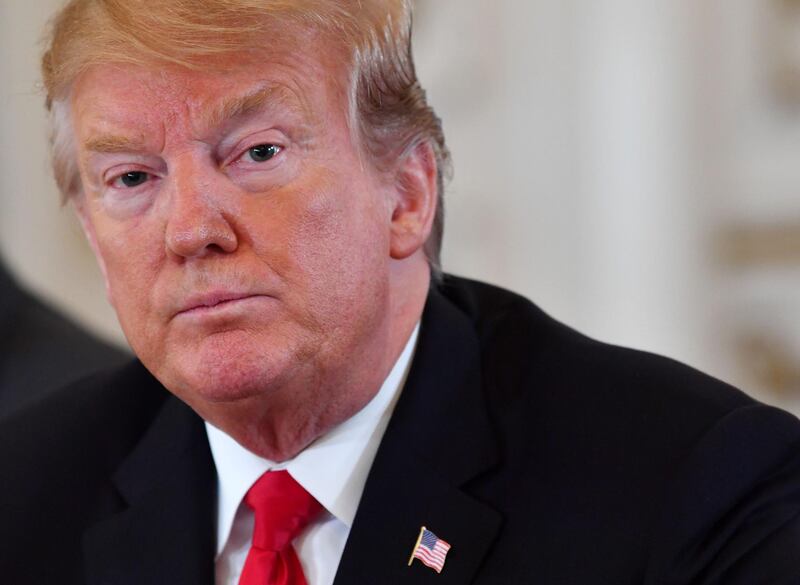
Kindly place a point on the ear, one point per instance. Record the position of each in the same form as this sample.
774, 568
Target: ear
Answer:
79, 205
415, 202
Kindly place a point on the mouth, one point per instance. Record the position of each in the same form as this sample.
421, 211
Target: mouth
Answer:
211, 303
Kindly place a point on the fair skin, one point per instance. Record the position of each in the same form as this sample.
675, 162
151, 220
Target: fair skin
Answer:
262, 269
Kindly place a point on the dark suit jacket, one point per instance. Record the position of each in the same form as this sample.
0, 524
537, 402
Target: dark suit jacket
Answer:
541, 456
41, 350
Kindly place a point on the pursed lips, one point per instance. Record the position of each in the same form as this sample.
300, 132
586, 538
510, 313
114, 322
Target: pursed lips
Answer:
200, 303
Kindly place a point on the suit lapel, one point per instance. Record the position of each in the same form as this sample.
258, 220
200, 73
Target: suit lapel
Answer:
438, 439
165, 534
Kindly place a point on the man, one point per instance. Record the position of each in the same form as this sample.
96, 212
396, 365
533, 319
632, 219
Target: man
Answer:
41, 350
261, 184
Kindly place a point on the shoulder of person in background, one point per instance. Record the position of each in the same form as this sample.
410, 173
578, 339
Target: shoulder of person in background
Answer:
41, 349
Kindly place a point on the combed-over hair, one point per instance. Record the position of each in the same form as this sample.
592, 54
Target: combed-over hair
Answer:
389, 113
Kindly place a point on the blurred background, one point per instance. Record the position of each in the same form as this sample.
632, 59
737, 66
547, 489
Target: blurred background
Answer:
632, 166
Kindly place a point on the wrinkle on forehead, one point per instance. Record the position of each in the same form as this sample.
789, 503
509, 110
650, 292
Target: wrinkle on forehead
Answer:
202, 100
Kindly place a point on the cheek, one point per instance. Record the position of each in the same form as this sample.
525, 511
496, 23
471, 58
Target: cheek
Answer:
321, 231
341, 242
132, 256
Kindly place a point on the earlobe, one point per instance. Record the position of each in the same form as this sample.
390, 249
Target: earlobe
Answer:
79, 206
415, 202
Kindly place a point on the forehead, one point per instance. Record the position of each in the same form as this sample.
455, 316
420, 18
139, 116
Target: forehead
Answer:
304, 80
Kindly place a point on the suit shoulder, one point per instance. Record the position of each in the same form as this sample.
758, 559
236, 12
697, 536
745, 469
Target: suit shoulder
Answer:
43, 350
531, 361
101, 415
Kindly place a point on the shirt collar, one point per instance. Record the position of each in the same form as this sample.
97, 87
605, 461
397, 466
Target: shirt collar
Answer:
333, 468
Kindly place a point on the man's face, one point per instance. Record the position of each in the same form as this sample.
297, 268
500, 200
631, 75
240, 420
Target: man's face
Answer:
245, 242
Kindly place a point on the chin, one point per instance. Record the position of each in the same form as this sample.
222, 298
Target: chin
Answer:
228, 372
226, 387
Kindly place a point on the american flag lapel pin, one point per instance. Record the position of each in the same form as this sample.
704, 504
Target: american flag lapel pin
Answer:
430, 549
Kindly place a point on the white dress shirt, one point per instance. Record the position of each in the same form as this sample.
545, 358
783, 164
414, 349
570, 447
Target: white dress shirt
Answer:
333, 469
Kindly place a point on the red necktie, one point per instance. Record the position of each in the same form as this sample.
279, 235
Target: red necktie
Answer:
283, 509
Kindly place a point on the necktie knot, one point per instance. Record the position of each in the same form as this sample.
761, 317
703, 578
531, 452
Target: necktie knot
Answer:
282, 507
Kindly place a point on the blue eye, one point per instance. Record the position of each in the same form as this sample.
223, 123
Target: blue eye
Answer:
263, 152
133, 178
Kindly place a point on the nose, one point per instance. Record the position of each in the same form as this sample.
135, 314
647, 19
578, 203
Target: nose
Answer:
198, 223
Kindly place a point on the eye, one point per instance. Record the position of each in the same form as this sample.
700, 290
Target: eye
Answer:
263, 152
132, 178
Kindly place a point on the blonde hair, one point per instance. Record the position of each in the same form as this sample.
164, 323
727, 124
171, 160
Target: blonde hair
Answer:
389, 111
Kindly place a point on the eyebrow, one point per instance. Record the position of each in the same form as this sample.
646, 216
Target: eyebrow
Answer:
111, 144
255, 101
